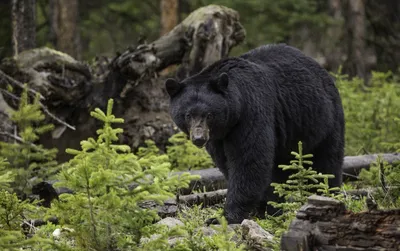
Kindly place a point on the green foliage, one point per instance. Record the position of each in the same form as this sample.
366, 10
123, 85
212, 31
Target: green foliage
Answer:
195, 238
385, 179
371, 113
13, 213
302, 183
184, 155
29, 162
6, 176
104, 211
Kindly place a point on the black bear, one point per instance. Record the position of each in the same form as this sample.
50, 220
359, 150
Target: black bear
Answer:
251, 111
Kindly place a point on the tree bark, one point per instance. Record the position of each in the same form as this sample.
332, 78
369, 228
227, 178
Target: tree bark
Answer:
64, 31
324, 224
169, 15
356, 32
23, 15
333, 39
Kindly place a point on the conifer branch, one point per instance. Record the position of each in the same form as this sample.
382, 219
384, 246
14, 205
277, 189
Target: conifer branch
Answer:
44, 109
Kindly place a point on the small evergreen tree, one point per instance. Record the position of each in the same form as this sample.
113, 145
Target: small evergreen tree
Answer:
302, 183
105, 213
29, 162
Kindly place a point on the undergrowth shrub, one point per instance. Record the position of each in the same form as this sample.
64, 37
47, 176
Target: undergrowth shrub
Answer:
182, 153
371, 112
383, 179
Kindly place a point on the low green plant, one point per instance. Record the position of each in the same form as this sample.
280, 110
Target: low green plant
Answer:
384, 179
196, 237
111, 186
29, 162
371, 112
6, 176
302, 183
184, 155
15, 213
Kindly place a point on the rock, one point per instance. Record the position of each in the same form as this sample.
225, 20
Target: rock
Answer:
256, 237
208, 231
170, 222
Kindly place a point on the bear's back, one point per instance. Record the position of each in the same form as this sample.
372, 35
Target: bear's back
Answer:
279, 55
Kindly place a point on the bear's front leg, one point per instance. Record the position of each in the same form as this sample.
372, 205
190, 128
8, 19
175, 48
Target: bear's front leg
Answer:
247, 188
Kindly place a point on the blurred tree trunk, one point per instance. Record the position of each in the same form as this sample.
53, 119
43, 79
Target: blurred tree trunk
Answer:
64, 32
334, 34
168, 20
356, 28
169, 15
23, 15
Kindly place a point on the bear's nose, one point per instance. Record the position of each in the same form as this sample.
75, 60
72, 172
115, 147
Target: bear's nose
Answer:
199, 141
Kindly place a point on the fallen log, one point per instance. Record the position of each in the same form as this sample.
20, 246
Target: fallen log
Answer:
324, 224
212, 179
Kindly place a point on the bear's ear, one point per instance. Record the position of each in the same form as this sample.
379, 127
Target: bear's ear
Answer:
172, 86
220, 83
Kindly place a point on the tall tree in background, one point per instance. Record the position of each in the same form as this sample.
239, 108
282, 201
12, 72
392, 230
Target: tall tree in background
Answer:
169, 15
23, 15
64, 31
356, 31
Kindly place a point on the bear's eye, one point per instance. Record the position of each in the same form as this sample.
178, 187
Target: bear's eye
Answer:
188, 116
209, 116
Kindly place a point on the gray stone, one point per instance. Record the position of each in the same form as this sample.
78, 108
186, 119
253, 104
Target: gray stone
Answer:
255, 236
170, 222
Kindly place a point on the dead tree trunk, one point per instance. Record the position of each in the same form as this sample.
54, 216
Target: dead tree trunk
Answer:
71, 89
23, 15
324, 224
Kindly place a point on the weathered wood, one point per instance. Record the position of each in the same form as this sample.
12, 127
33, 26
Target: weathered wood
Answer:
324, 224
171, 206
212, 179
205, 36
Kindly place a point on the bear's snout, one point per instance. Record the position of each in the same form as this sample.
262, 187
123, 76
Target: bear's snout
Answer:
199, 136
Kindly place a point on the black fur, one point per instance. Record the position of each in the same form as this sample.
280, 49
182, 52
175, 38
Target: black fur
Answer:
271, 98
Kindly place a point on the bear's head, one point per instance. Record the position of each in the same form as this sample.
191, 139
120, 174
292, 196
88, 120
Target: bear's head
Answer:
203, 106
